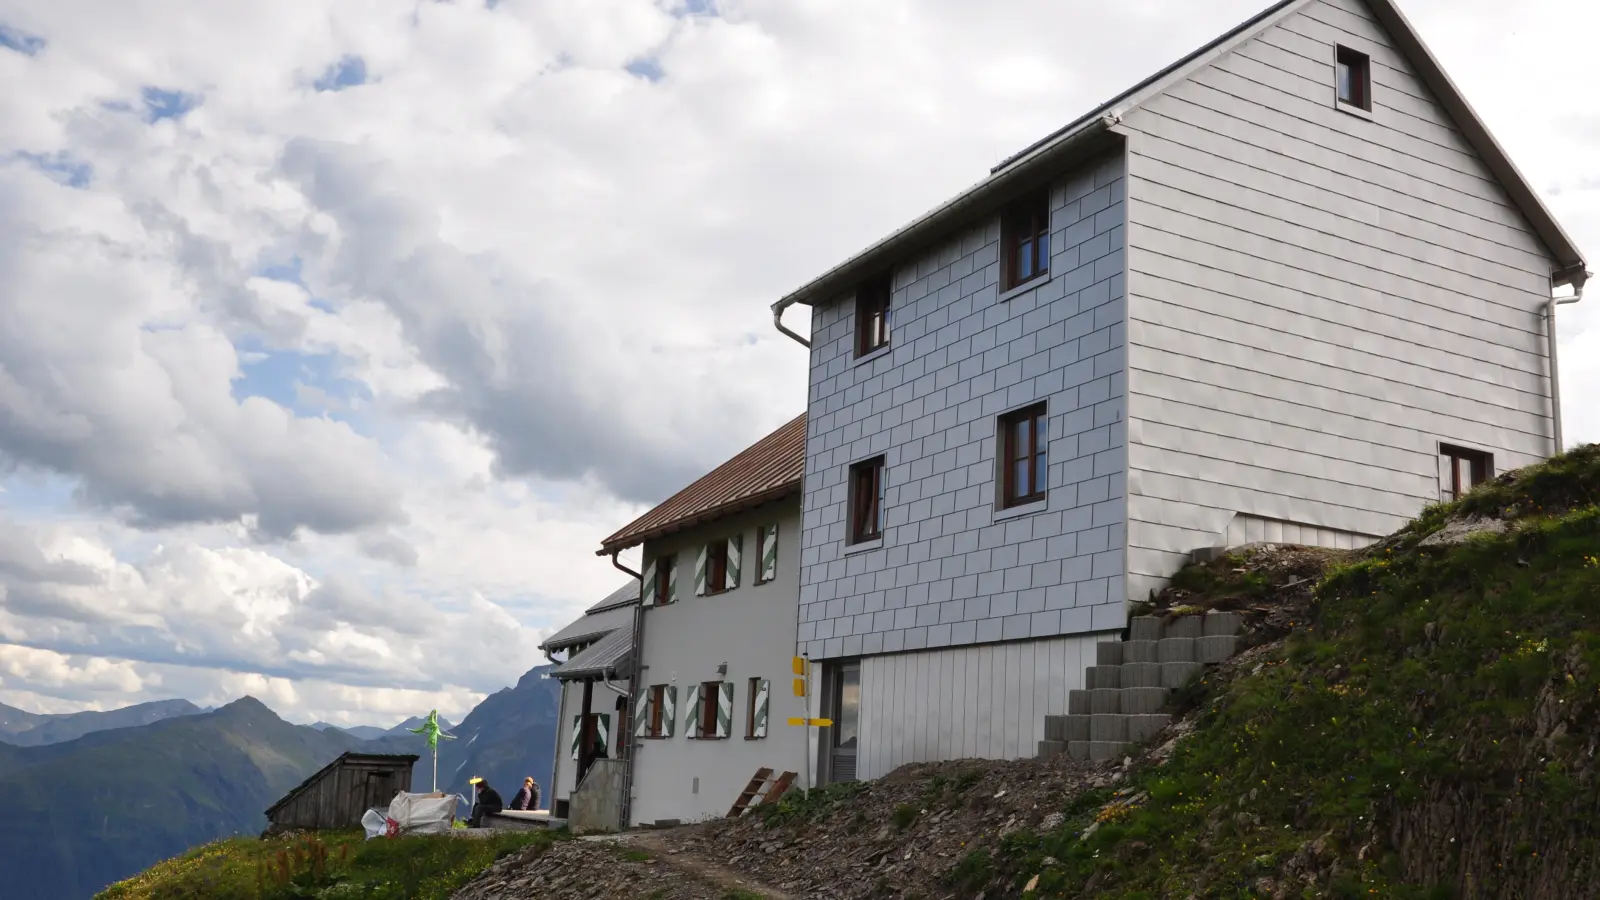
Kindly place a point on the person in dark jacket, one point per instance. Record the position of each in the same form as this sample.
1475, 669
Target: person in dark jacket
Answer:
488, 802
527, 798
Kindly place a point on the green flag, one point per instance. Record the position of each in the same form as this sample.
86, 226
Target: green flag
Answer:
432, 730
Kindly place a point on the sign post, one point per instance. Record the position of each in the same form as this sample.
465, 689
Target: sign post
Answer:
802, 688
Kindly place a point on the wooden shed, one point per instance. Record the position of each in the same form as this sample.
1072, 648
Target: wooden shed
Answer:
340, 792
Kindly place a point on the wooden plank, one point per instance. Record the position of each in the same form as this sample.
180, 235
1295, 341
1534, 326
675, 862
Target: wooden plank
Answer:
779, 788
757, 782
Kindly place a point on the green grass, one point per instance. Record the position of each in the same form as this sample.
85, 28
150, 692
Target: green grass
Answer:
1434, 680
326, 866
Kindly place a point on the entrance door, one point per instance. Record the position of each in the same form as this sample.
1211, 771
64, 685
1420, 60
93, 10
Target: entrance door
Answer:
846, 722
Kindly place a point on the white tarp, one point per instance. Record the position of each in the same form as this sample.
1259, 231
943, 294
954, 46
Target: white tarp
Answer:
412, 814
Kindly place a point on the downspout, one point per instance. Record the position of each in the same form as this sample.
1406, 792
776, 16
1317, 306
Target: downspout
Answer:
1577, 281
777, 321
626, 810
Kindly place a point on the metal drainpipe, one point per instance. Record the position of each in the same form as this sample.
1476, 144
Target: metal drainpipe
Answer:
626, 811
1555, 369
777, 321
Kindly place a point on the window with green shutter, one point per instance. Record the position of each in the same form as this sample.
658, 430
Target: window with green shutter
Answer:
766, 553
755, 725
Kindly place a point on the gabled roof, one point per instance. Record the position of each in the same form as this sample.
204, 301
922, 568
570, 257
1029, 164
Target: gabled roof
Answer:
769, 469
615, 611
1088, 133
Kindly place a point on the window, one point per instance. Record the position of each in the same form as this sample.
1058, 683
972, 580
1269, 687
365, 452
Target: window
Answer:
866, 501
755, 710
1461, 470
872, 315
716, 567
658, 702
1025, 241
664, 585
710, 691
1354, 74
1024, 458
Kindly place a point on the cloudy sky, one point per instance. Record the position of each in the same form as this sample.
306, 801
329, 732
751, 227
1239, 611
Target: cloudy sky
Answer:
335, 334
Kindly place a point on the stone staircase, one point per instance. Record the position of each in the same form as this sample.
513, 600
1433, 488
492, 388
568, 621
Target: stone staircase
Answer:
1131, 680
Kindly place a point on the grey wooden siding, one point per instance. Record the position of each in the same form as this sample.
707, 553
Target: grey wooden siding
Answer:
985, 702
1316, 299
949, 570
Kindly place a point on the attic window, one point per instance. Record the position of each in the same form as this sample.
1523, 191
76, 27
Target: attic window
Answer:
1025, 240
1353, 72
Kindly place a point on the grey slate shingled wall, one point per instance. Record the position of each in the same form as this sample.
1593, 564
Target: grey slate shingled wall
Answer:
951, 569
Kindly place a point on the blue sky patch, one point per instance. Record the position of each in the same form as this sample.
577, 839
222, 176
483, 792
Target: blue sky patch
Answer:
698, 8
20, 41
349, 71
164, 104
647, 68
61, 167
278, 375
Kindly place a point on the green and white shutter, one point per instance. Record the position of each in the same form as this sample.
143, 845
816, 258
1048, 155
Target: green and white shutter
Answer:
602, 731
669, 710
700, 573
672, 585
691, 703
647, 590
577, 734
758, 728
735, 550
725, 710
641, 713
769, 551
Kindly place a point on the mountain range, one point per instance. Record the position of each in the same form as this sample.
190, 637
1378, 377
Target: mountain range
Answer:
25, 729
79, 814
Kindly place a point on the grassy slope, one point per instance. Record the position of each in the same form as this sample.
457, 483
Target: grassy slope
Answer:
1431, 735
411, 868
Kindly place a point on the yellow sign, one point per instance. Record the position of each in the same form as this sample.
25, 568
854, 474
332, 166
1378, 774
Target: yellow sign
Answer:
801, 720
798, 664
799, 687
797, 720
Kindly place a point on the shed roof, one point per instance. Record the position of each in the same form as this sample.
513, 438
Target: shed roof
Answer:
613, 652
767, 470
615, 611
1023, 169
347, 756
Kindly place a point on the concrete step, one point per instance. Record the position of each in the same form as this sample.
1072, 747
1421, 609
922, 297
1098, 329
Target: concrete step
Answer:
1214, 648
1183, 627
1177, 649
1134, 675
1066, 728
1143, 728
1102, 677
1108, 727
1144, 628
1051, 749
1078, 703
1219, 624
1140, 652
1177, 674
1138, 700
1108, 653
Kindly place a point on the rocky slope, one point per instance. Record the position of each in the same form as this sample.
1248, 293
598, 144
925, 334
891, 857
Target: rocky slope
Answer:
1416, 720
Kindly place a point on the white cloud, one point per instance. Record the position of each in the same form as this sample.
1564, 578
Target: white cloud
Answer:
534, 285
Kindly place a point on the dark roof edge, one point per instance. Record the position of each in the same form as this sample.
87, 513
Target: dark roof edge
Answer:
1568, 258
941, 219
715, 512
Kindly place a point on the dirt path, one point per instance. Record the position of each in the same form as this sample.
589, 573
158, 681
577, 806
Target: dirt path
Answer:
664, 847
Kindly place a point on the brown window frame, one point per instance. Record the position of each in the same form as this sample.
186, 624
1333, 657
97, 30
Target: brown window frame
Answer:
872, 314
716, 567
1026, 222
1360, 67
1038, 419
752, 687
866, 500
658, 703
664, 566
710, 695
1482, 469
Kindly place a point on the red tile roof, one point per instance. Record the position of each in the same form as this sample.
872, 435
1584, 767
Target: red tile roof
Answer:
770, 468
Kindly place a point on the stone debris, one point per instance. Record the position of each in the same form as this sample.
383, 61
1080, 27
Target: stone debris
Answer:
1459, 531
